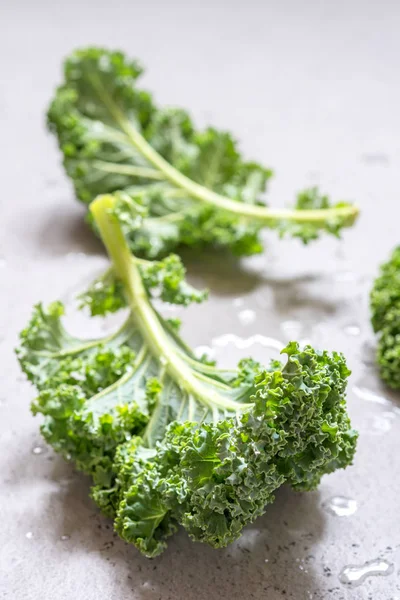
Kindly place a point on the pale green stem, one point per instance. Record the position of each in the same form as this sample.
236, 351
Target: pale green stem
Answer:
130, 170
148, 323
195, 190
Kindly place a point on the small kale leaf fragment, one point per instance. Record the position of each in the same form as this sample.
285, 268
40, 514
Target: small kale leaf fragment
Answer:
385, 318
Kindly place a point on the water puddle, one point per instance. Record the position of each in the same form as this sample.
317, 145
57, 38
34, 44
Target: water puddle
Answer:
229, 348
244, 343
340, 506
368, 396
355, 575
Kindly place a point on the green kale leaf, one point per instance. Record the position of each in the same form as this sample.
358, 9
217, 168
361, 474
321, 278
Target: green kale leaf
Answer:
168, 438
177, 185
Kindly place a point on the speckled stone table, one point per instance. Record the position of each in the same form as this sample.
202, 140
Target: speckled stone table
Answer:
311, 88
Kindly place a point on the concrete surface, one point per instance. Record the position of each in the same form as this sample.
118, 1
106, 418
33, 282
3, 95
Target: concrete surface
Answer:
311, 88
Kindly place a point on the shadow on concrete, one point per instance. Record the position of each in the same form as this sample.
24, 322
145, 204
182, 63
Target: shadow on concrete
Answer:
266, 562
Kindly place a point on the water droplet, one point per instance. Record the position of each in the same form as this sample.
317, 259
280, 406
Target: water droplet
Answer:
237, 302
29, 535
163, 361
247, 316
37, 450
365, 394
248, 540
340, 506
146, 585
291, 329
355, 575
352, 330
65, 538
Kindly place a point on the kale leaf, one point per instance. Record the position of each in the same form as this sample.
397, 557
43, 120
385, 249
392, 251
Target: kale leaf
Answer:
177, 185
167, 438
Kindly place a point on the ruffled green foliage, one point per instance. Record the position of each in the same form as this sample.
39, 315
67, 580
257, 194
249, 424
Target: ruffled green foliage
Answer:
170, 439
84, 389
215, 478
176, 185
312, 200
385, 318
164, 279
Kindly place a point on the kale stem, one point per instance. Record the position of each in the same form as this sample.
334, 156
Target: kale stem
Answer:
255, 213
152, 330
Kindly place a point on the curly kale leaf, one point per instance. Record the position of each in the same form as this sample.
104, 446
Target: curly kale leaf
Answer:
167, 438
215, 478
385, 318
97, 394
177, 185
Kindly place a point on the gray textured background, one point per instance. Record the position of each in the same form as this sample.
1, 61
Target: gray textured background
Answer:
311, 88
